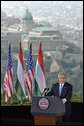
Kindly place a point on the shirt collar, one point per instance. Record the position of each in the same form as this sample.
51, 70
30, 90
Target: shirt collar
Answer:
62, 84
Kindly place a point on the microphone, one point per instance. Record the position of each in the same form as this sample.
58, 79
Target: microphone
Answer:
45, 91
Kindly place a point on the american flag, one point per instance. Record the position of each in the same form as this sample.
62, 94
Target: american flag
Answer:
8, 80
29, 74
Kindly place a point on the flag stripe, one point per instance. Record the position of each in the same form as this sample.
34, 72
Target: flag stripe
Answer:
8, 80
21, 56
9, 83
6, 96
6, 85
6, 88
32, 74
11, 75
29, 83
19, 92
37, 90
29, 78
29, 74
40, 78
20, 85
20, 74
32, 77
11, 79
29, 91
40, 59
40, 83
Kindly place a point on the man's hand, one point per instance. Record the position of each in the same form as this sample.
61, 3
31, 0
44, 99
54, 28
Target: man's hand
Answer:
64, 100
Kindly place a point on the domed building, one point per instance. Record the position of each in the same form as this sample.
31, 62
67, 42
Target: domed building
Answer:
27, 22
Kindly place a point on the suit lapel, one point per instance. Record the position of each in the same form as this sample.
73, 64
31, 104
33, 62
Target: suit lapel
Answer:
57, 91
64, 90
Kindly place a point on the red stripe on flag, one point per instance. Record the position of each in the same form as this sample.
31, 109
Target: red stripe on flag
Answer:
32, 73
11, 76
6, 83
32, 76
6, 95
21, 56
28, 89
29, 79
9, 83
40, 58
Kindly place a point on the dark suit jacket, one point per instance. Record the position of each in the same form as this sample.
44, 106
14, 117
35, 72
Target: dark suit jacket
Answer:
66, 93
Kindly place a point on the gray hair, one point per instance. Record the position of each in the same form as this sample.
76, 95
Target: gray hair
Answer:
61, 73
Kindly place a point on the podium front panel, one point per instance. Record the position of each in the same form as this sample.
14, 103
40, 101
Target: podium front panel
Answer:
52, 106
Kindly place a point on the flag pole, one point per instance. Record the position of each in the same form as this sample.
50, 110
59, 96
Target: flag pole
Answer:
21, 102
9, 42
40, 41
19, 42
11, 100
30, 42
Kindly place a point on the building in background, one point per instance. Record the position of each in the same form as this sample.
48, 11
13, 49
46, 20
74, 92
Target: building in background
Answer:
27, 22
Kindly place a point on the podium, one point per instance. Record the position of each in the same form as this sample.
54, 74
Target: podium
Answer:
47, 110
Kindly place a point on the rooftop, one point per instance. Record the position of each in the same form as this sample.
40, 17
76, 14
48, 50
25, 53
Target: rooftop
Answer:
26, 15
45, 29
36, 36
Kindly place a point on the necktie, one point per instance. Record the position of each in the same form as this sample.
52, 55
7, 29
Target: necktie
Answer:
60, 91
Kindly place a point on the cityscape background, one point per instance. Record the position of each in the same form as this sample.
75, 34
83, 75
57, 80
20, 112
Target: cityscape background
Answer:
59, 25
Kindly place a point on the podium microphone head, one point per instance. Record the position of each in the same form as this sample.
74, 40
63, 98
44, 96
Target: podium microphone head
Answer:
48, 89
45, 89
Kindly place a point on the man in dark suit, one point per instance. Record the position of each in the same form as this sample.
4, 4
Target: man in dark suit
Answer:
63, 90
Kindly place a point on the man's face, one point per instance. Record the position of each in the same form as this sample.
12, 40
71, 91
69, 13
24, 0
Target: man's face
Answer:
62, 78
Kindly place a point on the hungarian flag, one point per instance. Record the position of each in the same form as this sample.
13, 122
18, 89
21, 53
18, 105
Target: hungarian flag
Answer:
40, 83
20, 85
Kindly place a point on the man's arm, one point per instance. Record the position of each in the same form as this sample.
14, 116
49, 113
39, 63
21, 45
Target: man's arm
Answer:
69, 94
